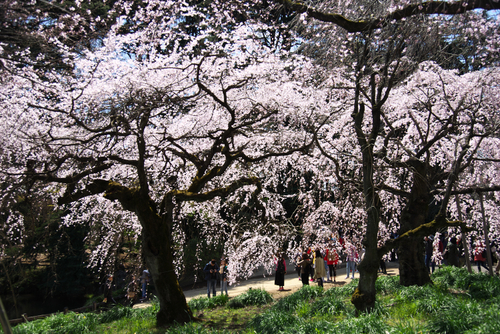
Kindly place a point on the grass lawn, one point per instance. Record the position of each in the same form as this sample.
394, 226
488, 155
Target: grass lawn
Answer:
457, 302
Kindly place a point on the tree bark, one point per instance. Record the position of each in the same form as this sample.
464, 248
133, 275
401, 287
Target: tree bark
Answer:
412, 269
365, 294
157, 251
158, 255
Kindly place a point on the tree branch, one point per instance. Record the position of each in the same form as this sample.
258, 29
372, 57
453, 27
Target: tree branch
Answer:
423, 230
184, 195
96, 187
426, 8
475, 190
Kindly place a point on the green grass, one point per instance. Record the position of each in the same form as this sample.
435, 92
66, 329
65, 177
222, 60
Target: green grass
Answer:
251, 297
119, 319
457, 302
208, 303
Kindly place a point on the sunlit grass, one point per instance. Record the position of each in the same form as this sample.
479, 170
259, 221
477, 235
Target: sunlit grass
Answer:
205, 302
129, 326
457, 302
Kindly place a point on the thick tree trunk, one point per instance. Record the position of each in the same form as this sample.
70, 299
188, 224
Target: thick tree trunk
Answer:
412, 269
365, 294
158, 254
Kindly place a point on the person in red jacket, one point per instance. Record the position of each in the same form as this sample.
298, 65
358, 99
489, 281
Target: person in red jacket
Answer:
480, 255
332, 259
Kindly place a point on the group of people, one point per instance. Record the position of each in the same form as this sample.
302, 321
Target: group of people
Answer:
450, 251
134, 293
136, 289
480, 256
318, 265
213, 273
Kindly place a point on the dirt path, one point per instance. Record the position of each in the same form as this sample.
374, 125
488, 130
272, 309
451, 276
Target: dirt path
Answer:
292, 284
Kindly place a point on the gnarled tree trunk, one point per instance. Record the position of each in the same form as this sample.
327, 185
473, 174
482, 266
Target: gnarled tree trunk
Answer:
412, 269
158, 256
157, 252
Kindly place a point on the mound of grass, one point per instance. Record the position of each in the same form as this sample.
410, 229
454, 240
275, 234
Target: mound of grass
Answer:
462, 302
291, 302
410, 293
274, 321
251, 297
456, 316
458, 302
207, 303
477, 285
387, 285
330, 304
369, 324
193, 328
346, 290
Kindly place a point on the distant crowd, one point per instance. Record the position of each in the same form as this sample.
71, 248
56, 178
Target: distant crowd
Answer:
319, 264
441, 249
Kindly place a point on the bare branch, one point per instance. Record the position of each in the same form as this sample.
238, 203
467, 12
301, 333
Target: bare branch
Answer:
426, 8
184, 195
421, 231
476, 190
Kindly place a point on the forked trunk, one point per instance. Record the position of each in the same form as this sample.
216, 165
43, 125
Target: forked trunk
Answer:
157, 251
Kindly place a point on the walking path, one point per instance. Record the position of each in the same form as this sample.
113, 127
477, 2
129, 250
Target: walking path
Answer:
292, 284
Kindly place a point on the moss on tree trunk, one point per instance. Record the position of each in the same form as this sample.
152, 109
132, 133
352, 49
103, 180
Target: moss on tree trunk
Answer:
158, 255
365, 294
412, 269
157, 251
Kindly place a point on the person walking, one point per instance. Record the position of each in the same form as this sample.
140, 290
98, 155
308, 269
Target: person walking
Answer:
211, 269
350, 259
452, 251
310, 254
279, 277
108, 290
480, 255
145, 277
319, 268
304, 264
223, 276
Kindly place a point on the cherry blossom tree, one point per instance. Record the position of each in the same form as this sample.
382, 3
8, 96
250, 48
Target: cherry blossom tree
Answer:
179, 112
464, 125
384, 44
160, 132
